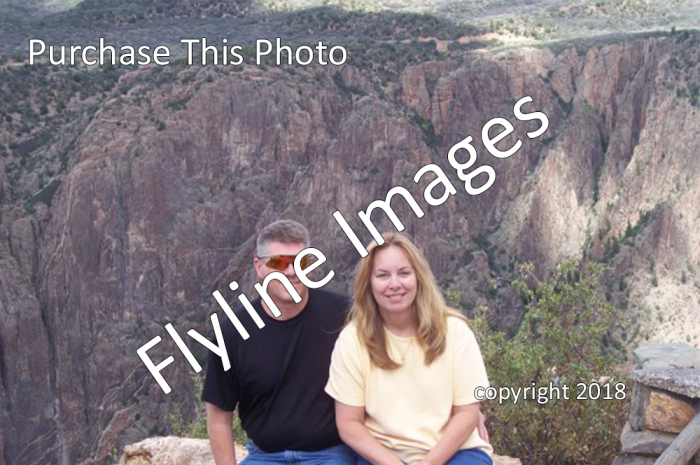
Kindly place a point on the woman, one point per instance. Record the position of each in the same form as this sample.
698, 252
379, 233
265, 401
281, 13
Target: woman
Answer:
404, 369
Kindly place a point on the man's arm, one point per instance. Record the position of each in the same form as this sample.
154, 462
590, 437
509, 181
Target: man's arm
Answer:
221, 435
458, 428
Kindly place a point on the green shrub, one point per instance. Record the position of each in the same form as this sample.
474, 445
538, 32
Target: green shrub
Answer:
564, 339
198, 427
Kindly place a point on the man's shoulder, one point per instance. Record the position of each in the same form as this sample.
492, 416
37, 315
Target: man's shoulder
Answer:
228, 330
331, 300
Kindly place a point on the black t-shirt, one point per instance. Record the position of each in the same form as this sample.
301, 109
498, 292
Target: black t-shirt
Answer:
277, 376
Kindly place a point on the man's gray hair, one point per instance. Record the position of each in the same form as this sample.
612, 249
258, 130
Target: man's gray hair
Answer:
283, 231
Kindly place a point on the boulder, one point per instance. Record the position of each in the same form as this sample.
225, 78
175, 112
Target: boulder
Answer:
665, 356
633, 460
659, 410
185, 451
685, 381
504, 460
644, 442
171, 451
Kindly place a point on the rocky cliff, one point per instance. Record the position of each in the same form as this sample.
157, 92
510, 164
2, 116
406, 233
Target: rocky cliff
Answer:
167, 183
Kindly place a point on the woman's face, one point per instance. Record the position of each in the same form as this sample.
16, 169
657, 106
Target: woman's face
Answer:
393, 280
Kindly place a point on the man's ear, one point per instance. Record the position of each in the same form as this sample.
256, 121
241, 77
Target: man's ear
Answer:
258, 264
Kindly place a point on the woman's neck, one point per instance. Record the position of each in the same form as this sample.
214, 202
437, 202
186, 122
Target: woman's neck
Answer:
400, 324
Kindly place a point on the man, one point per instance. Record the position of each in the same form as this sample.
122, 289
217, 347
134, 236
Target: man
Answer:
277, 376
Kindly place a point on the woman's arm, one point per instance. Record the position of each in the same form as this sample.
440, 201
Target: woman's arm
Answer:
354, 433
458, 428
481, 427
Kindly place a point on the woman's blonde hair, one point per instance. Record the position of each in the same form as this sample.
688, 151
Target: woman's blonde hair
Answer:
429, 309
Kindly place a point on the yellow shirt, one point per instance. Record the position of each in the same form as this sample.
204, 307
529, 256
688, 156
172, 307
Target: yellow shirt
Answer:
407, 408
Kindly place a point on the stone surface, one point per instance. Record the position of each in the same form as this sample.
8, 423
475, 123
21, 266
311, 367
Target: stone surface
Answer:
633, 460
668, 413
664, 356
684, 381
185, 451
638, 405
644, 442
171, 451
504, 460
659, 410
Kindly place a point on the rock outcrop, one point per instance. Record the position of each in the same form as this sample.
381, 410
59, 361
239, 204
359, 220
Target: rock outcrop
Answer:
168, 183
183, 451
665, 399
172, 451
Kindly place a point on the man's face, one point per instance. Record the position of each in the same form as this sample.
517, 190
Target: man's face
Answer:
276, 290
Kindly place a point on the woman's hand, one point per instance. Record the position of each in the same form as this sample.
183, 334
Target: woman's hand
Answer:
461, 424
351, 427
481, 427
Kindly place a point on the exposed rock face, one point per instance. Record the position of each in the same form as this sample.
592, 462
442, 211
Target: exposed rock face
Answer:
667, 356
171, 451
169, 183
644, 442
503, 460
684, 381
661, 411
663, 405
633, 460
184, 451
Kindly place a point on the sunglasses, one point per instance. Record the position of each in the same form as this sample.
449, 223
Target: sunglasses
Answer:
281, 262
